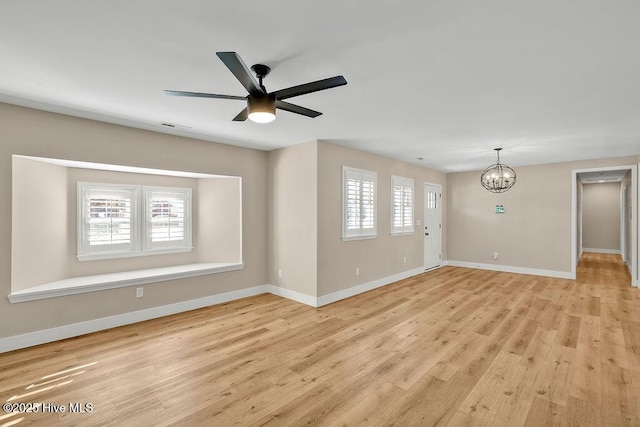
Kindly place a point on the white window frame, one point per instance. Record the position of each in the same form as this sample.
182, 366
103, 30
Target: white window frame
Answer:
360, 175
140, 244
167, 246
85, 251
402, 183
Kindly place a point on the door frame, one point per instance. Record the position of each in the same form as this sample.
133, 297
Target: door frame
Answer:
424, 217
634, 218
623, 223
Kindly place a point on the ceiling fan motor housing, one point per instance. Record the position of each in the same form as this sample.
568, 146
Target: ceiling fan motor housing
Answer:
261, 106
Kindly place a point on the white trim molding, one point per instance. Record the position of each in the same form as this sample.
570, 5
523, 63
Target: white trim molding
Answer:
602, 251
365, 287
512, 269
292, 295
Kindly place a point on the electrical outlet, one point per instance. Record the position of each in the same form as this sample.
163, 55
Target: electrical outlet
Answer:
357, 271
139, 292
404, 259
495, 255
280, 274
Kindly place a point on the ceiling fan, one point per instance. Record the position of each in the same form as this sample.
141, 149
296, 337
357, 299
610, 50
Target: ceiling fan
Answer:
261, 105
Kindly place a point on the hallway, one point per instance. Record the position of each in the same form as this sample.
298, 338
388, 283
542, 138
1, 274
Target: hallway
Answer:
608, 269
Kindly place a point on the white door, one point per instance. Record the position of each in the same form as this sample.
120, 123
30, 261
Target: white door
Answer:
432, 225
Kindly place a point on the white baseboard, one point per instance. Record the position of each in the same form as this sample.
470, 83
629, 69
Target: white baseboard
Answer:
442, 264
292, 295
602, 251
355, 290
511, 269
67, 331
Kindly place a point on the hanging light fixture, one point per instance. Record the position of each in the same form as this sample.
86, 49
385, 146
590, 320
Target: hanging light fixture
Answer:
498, 178
261, 109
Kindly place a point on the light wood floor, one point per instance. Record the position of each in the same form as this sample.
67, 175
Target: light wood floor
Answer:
453, 346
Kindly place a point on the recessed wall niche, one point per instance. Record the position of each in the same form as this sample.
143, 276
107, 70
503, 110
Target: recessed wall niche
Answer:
44, 219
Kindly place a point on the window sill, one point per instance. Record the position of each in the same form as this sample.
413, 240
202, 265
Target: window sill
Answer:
363, 237
100, 282
401, 233
130, 254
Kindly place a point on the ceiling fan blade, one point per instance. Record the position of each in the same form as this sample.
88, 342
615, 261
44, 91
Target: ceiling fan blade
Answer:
234, 63
201, 95
292, 108
242, 116
310, 87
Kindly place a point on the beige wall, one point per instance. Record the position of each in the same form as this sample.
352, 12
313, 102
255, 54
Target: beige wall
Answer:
40, 225
601, 216
36, 133
219, 224
535, 231
376, 258
293, 218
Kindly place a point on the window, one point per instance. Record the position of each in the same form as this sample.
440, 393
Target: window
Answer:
167, 218
128, 220
401, 205
359, 203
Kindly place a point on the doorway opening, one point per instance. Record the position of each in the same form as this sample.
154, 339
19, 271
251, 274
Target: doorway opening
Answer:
604, 215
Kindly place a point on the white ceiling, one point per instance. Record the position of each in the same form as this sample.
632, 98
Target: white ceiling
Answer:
446, 80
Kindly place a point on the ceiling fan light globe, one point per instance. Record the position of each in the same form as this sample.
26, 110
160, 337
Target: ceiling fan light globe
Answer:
261, 109
262, 116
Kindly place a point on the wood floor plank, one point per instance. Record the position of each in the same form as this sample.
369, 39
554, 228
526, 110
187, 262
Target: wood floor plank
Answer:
539, 348
453, 346
617, 408
554, 381
521, 339
590, 333
498, 394
586, 378
568, 331
581, 413
545, 413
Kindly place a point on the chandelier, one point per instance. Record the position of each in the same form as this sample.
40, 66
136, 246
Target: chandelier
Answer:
498, 178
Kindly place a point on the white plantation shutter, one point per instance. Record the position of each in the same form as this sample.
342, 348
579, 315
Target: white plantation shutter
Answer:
359, 203
106, 219
168, 218
353, 205
402, 204
116, 221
